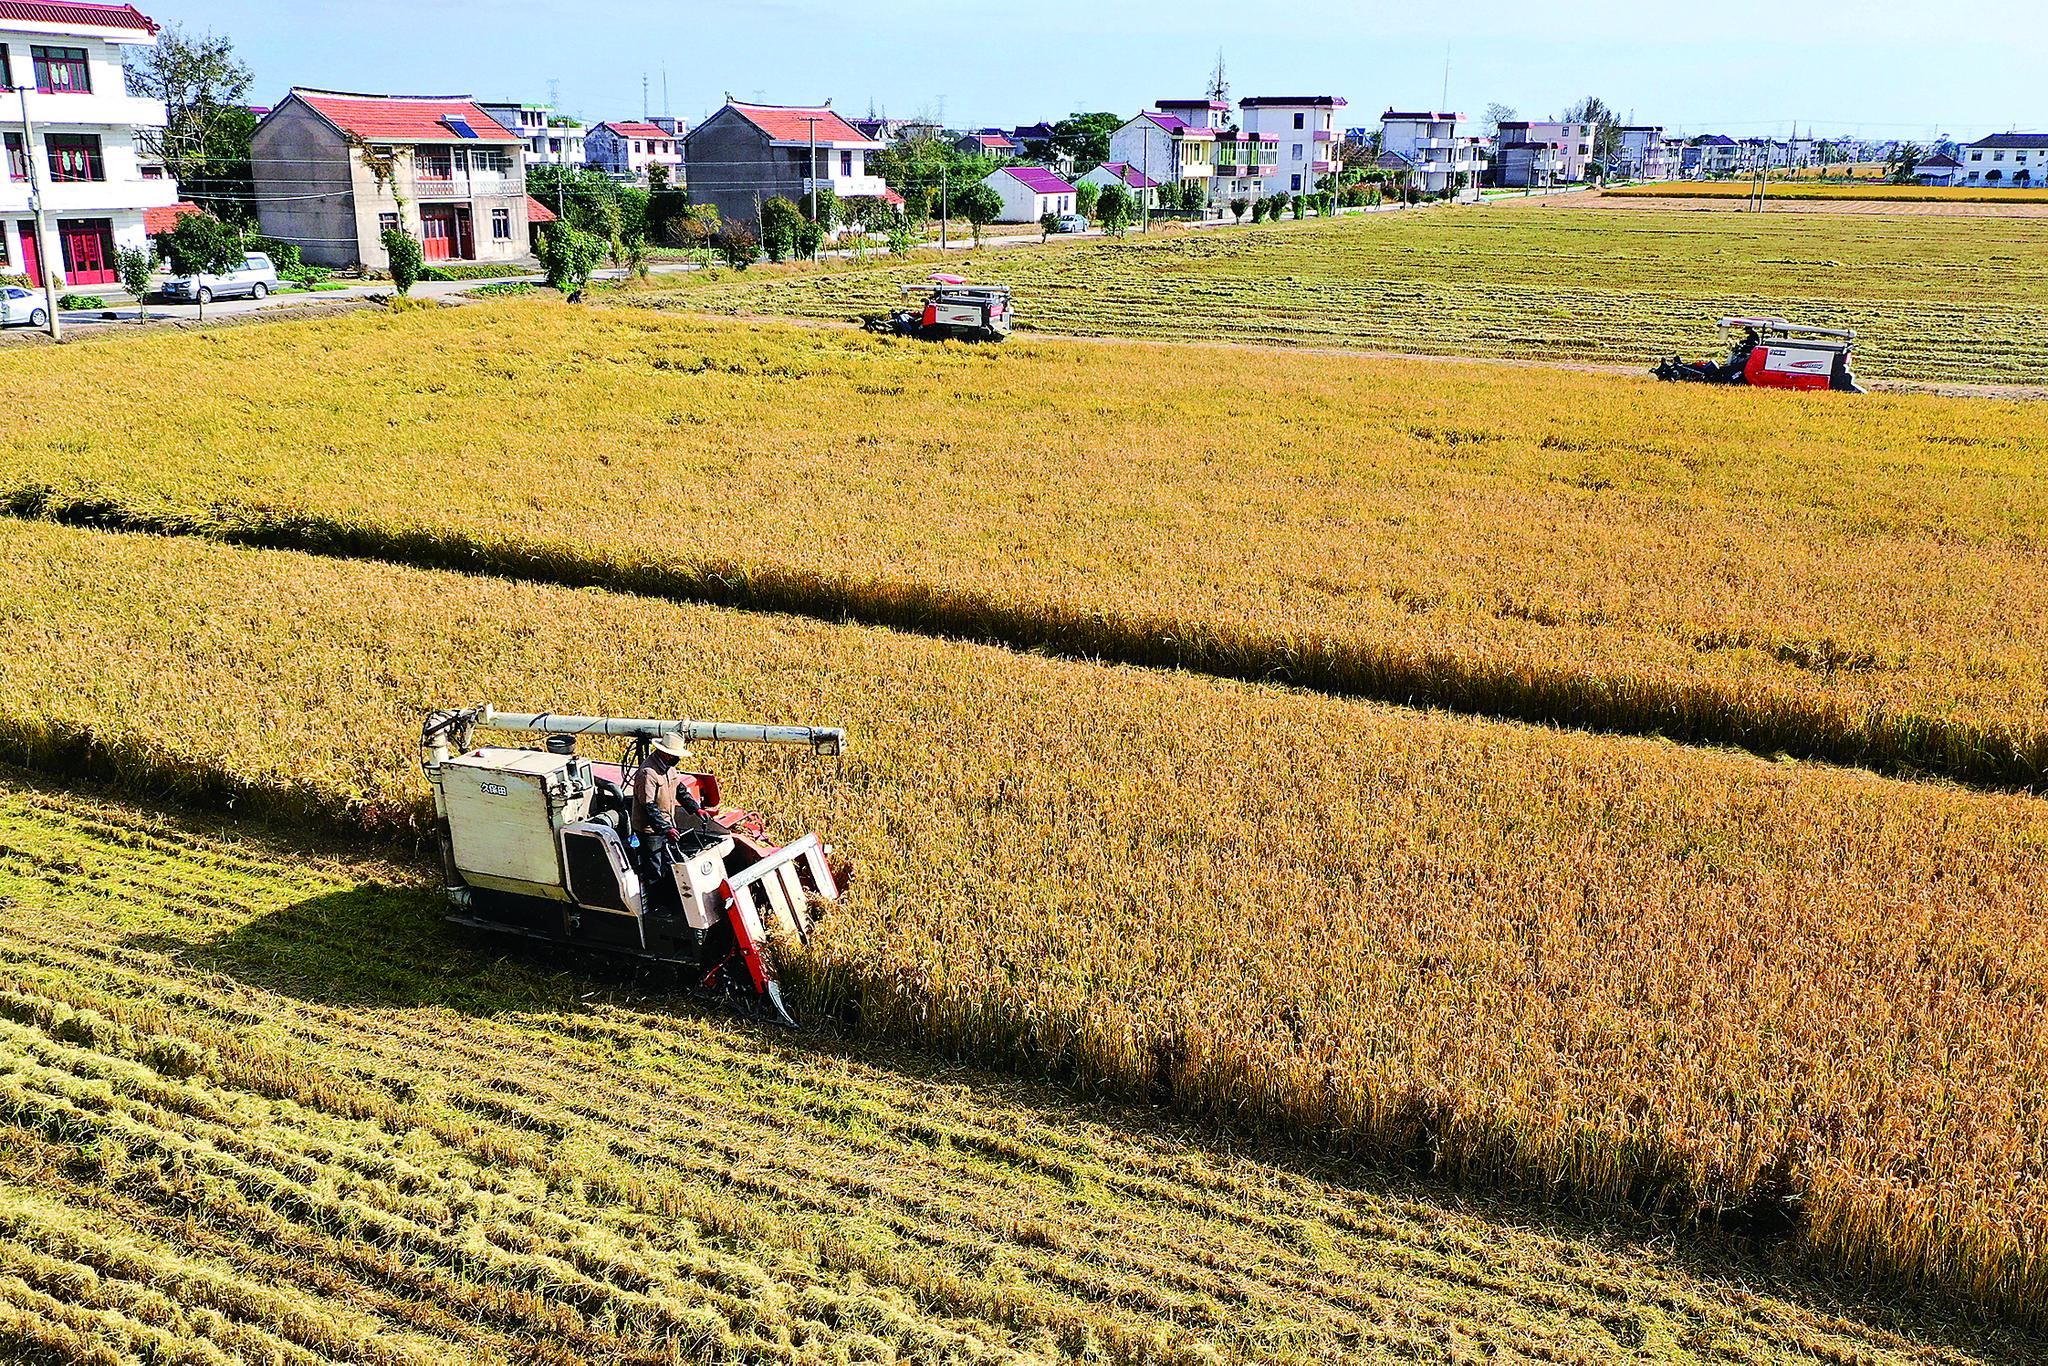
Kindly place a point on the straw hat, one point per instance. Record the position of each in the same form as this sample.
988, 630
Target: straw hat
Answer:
672, 746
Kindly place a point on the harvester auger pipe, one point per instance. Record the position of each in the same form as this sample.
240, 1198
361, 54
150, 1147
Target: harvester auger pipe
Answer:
825, 740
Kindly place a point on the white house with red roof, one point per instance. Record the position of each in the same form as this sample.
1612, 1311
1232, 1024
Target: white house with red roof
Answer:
1130, 177
746, 154
86, 151
1029, 193
628, 149
335, 169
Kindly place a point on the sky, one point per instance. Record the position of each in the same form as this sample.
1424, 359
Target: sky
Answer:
1736, 66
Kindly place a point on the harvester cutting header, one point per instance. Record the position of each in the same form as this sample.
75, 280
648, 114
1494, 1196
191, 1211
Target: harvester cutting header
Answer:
640, 857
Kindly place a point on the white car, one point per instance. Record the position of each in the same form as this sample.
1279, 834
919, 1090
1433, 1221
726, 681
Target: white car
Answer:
255, 277
1072, 222
18, 305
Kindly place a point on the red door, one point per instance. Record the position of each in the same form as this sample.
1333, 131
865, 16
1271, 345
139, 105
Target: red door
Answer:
437, 232
31, 252
88, 250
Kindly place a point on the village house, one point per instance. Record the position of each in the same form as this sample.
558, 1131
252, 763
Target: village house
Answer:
1552, 151
2013, 160
746, 154
1434, 150
630, 150
85, 152
1145, 189
1300, 134
335, 170
1029, 193
1173, 144
551, 140
1939, 169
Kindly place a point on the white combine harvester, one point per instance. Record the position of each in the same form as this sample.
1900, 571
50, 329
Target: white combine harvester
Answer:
540, 843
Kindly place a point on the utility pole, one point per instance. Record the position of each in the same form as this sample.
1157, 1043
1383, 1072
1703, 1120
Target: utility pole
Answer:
945, 207
46, 261
812, 177
1145, 174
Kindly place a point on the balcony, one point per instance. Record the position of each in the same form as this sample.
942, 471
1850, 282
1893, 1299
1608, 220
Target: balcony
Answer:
88, 111
75, 197
467, 185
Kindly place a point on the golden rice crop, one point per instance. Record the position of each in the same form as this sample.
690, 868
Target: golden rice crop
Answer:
1614, 970
1930, 298
1782, 189
256, 1106
1854, 579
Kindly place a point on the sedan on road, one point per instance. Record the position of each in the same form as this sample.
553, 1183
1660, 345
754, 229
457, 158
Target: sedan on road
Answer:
19, 306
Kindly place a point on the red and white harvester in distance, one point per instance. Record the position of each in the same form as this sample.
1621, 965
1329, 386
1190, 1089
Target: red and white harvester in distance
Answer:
540, 843
1770, 353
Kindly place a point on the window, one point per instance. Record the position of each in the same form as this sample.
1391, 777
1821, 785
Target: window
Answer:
1294, 182
75, 156
152, 173
6, 69
1296, 152
501, 225
638, 145
846, 163
3, 246
1976, 156
17, 160
61, 70
386, 222
1297, 120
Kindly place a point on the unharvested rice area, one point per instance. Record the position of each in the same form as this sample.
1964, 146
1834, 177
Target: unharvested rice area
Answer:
1794, 190
258, 1104
1853, 579
1612, 971
1946, 299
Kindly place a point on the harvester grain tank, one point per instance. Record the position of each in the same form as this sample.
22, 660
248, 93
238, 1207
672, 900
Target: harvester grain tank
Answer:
541, 843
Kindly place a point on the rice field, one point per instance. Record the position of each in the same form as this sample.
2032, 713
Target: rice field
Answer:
1858, 580
258, 1104
1793, 189
1612, 972
1931, 299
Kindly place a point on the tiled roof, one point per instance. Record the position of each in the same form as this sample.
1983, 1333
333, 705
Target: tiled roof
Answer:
1292, 101
1423, 115
1940, 159
403, 118
1192, 104
791, 123
2004, 140
1130, 175
639, 130
537, 212
164, 217
85, 16
1037, 179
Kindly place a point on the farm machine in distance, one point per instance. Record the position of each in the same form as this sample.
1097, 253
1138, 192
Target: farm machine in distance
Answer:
547, 845
1770, 353
947, 308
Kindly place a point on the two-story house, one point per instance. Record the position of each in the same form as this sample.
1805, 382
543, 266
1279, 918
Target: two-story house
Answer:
1710, 154
550, 138
2013, 160
83, 151
746, 154
1175, 143
1642, 152
1539, 152
1435, 150
1301, 133
334, 170
629, 149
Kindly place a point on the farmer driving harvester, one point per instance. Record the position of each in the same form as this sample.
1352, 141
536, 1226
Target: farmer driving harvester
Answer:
658, 794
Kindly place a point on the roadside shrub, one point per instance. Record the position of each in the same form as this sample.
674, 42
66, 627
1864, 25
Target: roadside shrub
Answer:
504, 289
1086, 192
779, 217
74, 302
736, 246
283, 255
809, 238
137, 268
903, 238
1238, 206
568, 255
408, 259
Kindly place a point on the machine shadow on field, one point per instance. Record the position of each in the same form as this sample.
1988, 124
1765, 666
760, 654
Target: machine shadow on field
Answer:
381, 943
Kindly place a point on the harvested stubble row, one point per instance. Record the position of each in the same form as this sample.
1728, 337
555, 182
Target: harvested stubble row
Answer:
1797, 190
1618, 970
256, 1105
1930, 299
1859, 581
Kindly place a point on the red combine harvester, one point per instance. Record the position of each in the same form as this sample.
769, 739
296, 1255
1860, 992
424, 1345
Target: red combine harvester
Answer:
541, 843
948, 307
1770, 353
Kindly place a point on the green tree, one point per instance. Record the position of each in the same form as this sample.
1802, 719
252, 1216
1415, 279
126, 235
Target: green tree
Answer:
568, 254
979, 204
1048, 224
1606, 126
1116, 209
137, 268
204, 143
779, 219
826, 213
201, 245
736, 246
407, 258
1085, 138
1901, 160
1238, 206
1085, 194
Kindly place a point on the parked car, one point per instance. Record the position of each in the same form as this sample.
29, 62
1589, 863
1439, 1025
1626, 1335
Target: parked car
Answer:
18, 305
255, 277
1072, 222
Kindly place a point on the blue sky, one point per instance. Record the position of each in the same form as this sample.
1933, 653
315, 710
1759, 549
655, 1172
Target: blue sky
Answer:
1894, 70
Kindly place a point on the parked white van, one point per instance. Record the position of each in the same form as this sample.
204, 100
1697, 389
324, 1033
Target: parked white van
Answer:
255, 277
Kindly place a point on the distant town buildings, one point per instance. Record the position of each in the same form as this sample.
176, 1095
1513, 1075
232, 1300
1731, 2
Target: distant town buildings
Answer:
551, 139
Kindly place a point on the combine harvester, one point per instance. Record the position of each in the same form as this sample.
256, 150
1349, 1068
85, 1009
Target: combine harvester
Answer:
541, 843
948, 308
1770, 353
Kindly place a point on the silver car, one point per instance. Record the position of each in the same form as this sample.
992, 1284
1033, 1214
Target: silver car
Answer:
255, 277
20, 306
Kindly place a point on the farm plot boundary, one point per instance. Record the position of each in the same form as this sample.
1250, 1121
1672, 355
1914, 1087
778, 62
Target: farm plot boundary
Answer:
1902, 743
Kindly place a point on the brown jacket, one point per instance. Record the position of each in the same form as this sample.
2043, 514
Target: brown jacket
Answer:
656, 797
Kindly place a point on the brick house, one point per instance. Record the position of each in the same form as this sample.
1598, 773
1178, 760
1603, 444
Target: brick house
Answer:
333, 170
745, 154
628, 149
